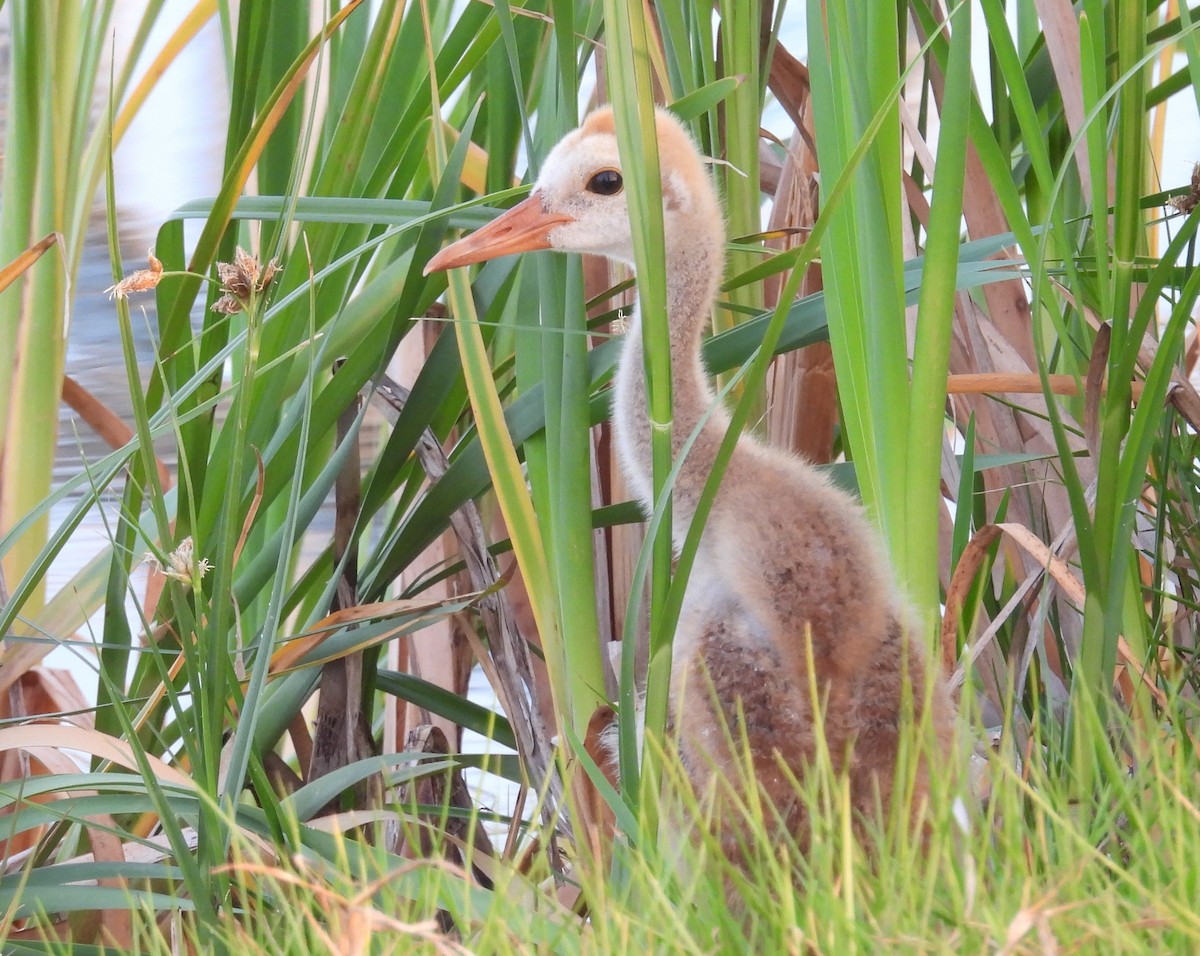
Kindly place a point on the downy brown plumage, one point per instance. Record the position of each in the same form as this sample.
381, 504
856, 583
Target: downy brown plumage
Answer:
785, 556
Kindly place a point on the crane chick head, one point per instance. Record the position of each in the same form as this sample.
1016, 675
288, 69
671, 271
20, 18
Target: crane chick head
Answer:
578, 203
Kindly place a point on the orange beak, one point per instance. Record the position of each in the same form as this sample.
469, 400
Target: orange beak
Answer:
523, 228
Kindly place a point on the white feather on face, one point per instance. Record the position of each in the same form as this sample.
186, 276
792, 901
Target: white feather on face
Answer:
601, 223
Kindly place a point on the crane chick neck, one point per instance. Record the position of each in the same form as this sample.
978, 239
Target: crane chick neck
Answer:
582, 180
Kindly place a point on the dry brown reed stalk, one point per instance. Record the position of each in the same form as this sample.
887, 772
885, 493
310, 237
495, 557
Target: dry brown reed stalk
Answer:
440, 653
802, 408
342, 731
452, 828
506, 662
1011, 383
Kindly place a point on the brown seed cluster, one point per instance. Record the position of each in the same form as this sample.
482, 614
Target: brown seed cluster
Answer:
1191, 199
242, 281
140, 281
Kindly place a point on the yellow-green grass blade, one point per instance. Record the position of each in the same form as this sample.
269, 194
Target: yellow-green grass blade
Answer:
632, 93
935, 317
854, 70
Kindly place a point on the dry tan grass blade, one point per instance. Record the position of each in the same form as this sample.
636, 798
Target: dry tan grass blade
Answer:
803, 404
1060, 27
41, 692
113, 926
46, 692
1010, 383
291, 651
967, 569
11, 272
40, 738
998, 339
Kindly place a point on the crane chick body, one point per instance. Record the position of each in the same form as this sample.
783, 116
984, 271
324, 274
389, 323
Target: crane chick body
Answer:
785, 557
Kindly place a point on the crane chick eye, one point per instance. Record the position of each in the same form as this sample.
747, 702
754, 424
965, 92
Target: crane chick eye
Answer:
607, 182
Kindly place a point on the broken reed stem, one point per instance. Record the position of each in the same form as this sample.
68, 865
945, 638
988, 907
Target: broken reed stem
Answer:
517, 688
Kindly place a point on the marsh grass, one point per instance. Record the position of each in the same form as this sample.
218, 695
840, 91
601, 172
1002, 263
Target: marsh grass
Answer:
1029, 871
1058, 529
